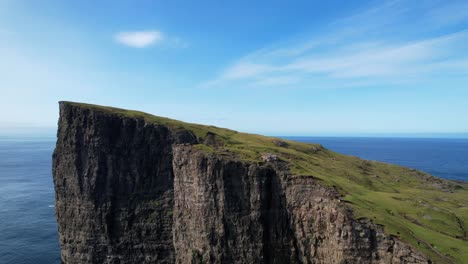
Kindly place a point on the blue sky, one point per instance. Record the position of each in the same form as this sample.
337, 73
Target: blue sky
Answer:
271, 67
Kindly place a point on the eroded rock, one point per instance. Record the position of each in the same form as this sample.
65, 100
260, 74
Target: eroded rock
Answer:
132, 192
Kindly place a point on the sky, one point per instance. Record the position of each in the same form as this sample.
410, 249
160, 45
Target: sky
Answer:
270, 67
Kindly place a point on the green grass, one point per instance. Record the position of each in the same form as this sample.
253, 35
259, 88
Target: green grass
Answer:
425, 211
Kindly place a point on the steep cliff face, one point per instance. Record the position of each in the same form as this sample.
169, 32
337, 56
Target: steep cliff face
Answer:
133, 191
114, 188
232, 212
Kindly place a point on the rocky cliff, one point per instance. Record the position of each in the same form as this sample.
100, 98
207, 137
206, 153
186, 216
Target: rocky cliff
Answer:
132, 190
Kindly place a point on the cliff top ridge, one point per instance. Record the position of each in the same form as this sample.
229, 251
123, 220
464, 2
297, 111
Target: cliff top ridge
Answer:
428, 212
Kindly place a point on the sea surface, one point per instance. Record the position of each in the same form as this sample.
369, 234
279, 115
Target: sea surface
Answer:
442, 157
28, 231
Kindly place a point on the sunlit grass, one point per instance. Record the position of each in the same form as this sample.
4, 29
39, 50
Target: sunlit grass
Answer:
427, 212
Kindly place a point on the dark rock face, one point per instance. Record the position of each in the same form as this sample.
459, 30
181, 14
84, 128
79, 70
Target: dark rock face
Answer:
132, 192
114, 188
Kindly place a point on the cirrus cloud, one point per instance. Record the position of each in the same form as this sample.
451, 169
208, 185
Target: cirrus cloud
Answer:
371, 47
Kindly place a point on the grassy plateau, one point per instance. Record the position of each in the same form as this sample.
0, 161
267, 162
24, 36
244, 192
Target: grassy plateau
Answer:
427, 212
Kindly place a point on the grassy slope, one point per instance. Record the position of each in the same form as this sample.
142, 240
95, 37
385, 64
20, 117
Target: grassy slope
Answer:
428, 212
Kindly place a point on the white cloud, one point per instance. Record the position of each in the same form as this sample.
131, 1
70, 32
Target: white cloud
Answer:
381, 60
245, 70
139, 39
370, 47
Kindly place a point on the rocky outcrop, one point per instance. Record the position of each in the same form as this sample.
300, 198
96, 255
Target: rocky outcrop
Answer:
131, 191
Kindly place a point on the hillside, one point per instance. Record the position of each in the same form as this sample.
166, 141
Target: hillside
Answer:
429, 213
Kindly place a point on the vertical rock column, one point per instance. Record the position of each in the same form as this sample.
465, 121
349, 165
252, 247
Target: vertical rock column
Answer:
113, 188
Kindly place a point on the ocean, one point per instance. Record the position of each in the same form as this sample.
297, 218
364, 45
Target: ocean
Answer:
28, 231
442, 157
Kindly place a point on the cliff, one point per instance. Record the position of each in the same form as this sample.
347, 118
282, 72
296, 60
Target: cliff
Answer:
136, 188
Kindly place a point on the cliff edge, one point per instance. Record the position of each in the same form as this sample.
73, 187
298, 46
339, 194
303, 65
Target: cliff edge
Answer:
135, 188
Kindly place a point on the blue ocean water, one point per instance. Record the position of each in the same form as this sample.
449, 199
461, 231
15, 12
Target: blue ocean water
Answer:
28, 231
442, 157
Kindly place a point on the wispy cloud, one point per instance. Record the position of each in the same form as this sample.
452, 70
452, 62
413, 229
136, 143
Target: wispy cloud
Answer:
382, 60
139, 39
368, 47
143, 39
246, 70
